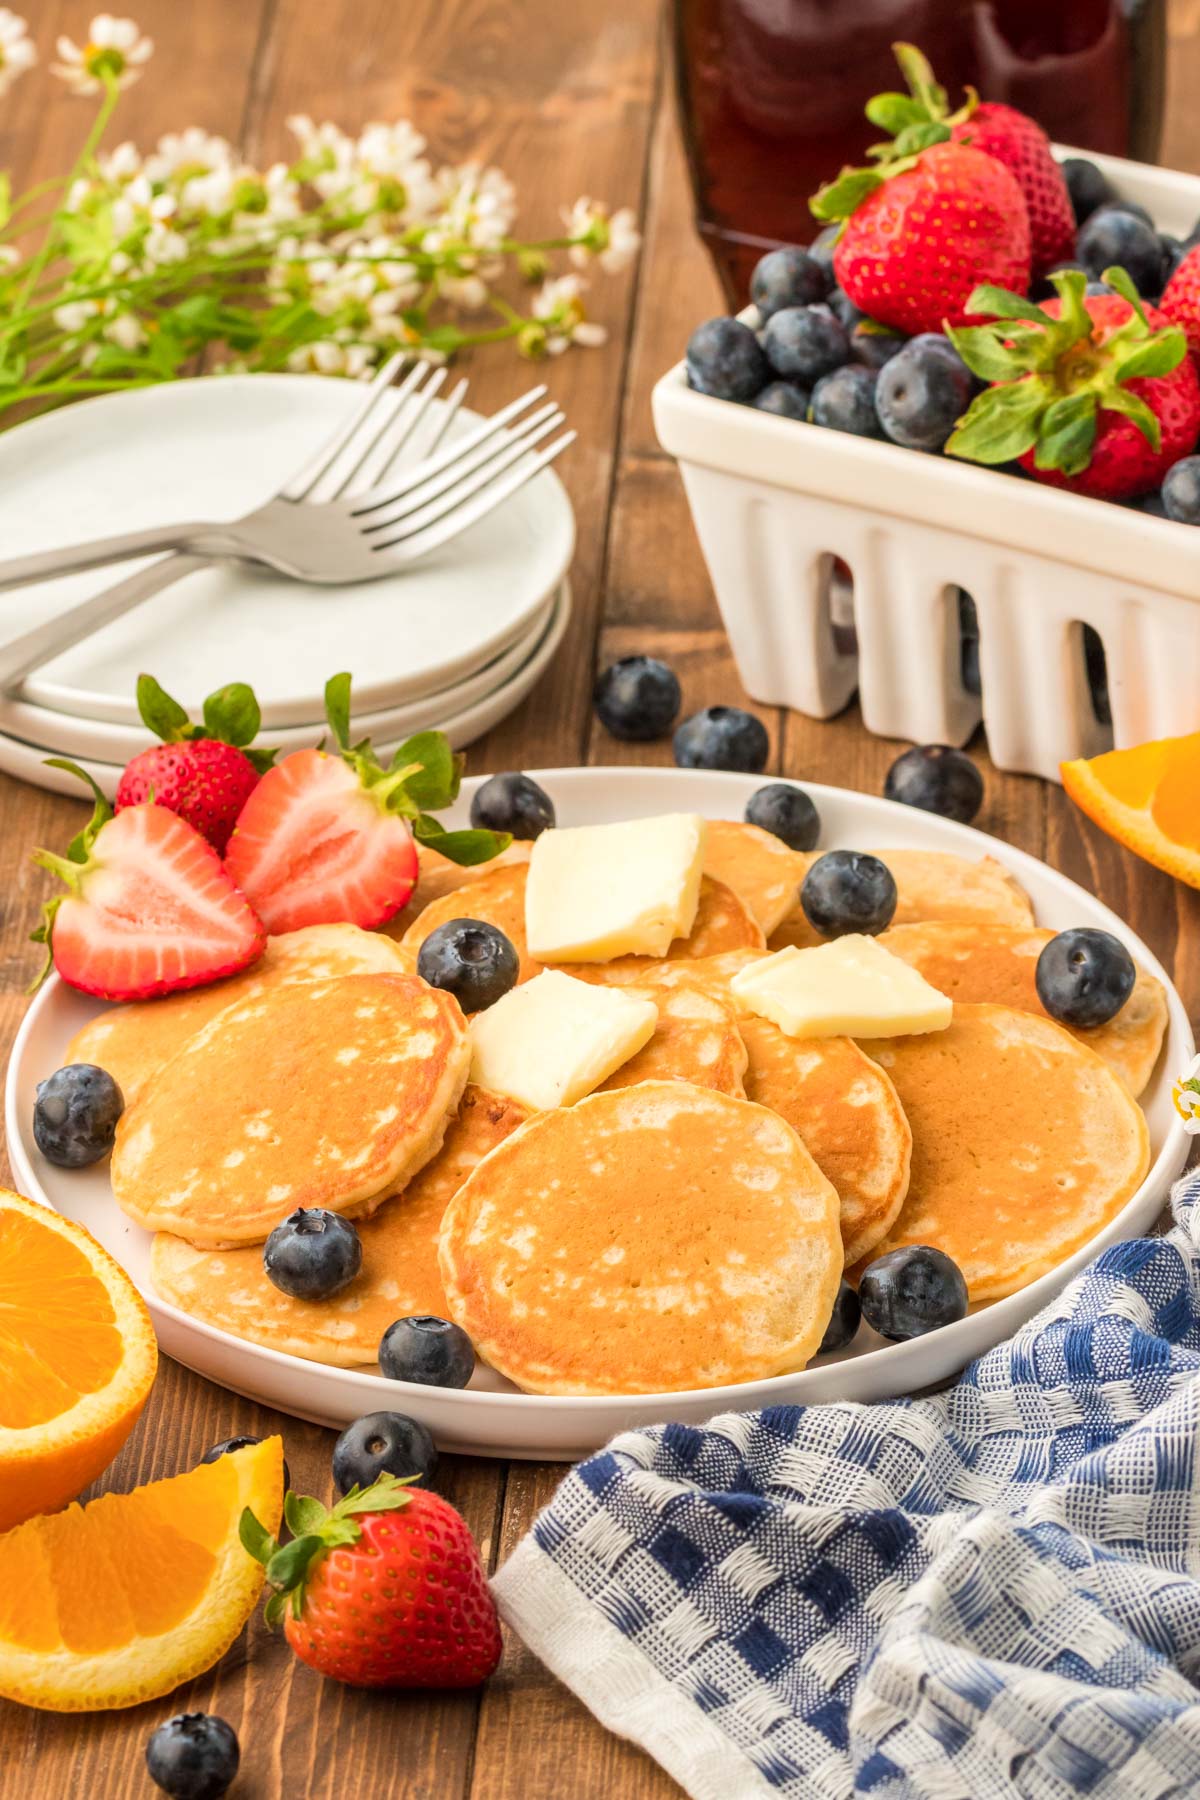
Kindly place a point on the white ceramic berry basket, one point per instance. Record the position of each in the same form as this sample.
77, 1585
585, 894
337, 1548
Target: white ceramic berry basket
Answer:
776, 502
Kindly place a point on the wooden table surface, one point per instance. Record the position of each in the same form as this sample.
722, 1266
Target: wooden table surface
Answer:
568, 100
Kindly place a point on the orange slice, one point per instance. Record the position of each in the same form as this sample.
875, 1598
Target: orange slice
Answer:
78, 1357
1146, 798
118, 1602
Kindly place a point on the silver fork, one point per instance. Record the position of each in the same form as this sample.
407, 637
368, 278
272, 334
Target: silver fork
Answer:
330, 540
360, 456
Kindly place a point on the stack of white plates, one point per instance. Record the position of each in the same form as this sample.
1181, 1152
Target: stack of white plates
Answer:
456, 641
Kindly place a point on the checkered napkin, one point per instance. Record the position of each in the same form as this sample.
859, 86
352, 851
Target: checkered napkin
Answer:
992, 1592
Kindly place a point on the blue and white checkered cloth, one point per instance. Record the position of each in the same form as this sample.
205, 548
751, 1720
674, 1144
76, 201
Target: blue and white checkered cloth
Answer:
988, 1593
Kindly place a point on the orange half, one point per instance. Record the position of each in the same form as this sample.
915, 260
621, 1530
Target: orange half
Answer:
121, 1601
77, 1355
1146, 798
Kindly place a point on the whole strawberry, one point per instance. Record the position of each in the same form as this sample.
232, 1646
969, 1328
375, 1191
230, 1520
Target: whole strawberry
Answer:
205, 773
385, 1589
1094, 393
1019, 142
923, 117
1180, 302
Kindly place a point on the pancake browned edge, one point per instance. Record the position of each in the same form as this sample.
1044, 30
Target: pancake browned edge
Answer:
659, 1238
934, 884
722, 923
399, 1277
1025, 1144
998, 964
134, 1040
327, 1094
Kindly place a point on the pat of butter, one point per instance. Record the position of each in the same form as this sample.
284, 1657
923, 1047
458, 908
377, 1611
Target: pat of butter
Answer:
852, 987
599, 891
551, 1041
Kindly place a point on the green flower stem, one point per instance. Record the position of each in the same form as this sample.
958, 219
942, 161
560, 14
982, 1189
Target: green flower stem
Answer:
91, 143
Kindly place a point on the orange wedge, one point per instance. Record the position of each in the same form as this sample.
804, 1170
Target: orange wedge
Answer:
1146, 798
77, 1355
117, 1602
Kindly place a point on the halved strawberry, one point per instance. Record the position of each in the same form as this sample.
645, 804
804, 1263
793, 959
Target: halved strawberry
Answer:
150, 909
328, 837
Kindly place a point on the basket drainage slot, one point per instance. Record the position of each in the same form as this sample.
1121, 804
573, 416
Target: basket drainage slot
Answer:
838, 579
1095, 669
968, 643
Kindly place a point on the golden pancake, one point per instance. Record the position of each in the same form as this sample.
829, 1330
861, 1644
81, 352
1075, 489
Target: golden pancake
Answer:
696, 1039
437, 876
327, 1094
134, 1041
722, 923
849, 1116
842, 1104
1025, 1144
497, 898
934, 884
998, 964
759, 867
399, 1276
660, 1238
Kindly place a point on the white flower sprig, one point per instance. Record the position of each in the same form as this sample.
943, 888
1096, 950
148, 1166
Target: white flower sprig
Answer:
1185, 1094
114, 53
358, 247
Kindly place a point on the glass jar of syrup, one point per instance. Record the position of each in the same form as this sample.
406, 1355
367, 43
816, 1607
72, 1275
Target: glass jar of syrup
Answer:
772, 93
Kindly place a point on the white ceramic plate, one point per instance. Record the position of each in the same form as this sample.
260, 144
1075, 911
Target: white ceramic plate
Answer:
61, 734
489, 1418
28, 761
212, 449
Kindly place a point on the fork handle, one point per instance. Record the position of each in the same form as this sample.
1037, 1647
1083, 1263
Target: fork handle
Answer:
45, 565
21, 655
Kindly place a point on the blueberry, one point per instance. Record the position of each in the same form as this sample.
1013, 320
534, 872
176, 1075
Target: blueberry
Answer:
470, 959
842, 307
788, 277
921, 393
1084, 977
938, 779
75, 1115
1180, 494
429, 1350
845, 401
1134, 208
907, 1292
822, 247
786, 812
802, 343
193, 1756
847, 891
1156, 506
725, 359
383, 1443
843, 1322
239, 1443
1173, 253
1116, 235
514, 803
784, 399
722, 737
312, 1254
1095, 288
874, 348
1088, 187
637, 698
